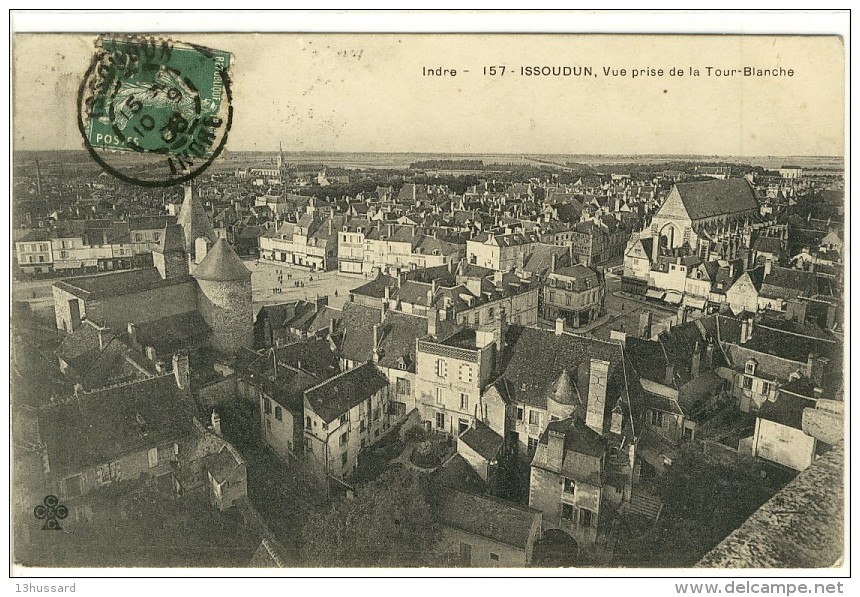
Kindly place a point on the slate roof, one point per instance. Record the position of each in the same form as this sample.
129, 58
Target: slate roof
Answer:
583, 450
150, 222
337, 395
118, 283
581, 277
221, 264
786, 410
717, 197
787, 283
172, 239
458, 474
777, 343
194, 221
488, 517
801, 526
169, 334
534, 358
98, 428
376, 287
483, 440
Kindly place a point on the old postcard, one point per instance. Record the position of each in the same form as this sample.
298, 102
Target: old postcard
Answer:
428, 300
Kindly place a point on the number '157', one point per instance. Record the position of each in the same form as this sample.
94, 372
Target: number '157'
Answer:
494, 70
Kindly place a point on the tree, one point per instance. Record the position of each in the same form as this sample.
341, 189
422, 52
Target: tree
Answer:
387, 523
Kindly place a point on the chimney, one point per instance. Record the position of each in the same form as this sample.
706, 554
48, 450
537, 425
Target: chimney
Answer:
388, 291
216, 423
432, 320
816, 366
555, 450
160, 367
332, 323
682, 315
709, 355
645, 325
451, 266
385, 307
101, 331
433, 286
149, 351
695, 363
559, 326
553, 264
376, 342
181, 370
430, 294
321, 301
597, 379
497, 279
768, 264
670, 375
132, 334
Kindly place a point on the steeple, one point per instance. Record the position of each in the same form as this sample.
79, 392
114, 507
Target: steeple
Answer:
169, 257
195, 224
562, 397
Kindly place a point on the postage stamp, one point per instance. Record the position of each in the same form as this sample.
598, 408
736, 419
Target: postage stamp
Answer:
155, 112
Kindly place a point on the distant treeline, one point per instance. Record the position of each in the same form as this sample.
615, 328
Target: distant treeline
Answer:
447, 165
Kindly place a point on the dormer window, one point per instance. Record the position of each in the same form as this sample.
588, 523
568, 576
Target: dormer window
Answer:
750, 367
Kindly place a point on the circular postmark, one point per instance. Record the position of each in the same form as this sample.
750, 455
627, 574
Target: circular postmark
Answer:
152, 112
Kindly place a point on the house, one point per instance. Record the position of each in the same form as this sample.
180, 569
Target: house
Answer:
276, 325
781, 285
228, 477
481, 448
343, 415
744, 293
93, 440
501, 252
575, 293
779, 436
484, 532
451, 374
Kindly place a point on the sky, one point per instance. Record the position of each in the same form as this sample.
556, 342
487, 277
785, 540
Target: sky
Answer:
366, 93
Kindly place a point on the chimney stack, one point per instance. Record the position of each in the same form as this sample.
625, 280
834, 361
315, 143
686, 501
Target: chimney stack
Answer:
559, 326
181, 370
132, 334
598, 376
645, 325
555, 450
216, 423
696, 361
553, 264
376, 342
432, 321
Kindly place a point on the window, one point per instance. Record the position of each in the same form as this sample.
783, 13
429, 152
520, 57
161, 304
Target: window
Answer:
309, 447
440, 399
440, 420
279, 415
534, 417
344, 437
152, 456
464, 401
566, 512
441, 367
750, 367
343, 458
569, 486
586, 517
656, 418
269, 425
376, 414
494, 557
491, 314
267, 406
748, 382
344, 418
766, 387
361, 426
465, 373
307, 422
520, 413
404, 388
533, 444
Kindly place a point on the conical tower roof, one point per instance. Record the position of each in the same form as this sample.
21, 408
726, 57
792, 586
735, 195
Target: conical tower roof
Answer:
194, 221
172, 240
563, 391
221, 264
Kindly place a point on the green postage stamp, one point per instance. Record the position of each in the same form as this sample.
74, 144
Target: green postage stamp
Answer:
166, 101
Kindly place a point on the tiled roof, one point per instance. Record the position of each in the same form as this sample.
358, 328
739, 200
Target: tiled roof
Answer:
583, 451
337, 395
786, 410
717, 197
98, 428
172, 239
488, 517
483, 440
169, 334
118, 283
458, 474
376, 287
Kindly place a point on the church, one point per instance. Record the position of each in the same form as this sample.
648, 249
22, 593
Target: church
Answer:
195, 275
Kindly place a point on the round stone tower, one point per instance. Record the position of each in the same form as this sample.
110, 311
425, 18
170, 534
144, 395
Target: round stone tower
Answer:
224, 297
195, 227
562, 397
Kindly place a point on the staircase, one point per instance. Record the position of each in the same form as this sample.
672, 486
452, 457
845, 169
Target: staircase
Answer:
646, 505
